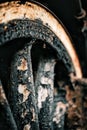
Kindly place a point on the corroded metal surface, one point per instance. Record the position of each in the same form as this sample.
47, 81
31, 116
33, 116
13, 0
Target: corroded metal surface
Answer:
15, 10
58, 107
35, 100
22, 94
44, 86
35, 29
59, 111
75, 116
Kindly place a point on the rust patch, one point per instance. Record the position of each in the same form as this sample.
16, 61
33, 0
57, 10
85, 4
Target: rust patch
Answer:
74, 113
23, 65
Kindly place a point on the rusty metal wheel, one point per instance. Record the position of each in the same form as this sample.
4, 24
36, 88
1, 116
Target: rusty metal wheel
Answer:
35, 52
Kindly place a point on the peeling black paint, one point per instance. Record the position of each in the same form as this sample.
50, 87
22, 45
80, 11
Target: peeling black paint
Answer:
27, 28
23, 108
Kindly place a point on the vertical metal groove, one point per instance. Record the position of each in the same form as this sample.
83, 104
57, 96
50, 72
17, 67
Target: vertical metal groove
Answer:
44, 85
22, 94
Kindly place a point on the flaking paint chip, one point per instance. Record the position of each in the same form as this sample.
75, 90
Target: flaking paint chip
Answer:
22, 89
23, 65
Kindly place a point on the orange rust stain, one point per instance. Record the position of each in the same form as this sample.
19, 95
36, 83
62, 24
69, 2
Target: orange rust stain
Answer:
69, 94
74, 111
23, 65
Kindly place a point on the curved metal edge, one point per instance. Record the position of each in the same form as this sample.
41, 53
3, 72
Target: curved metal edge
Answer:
31, 10
28, 28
